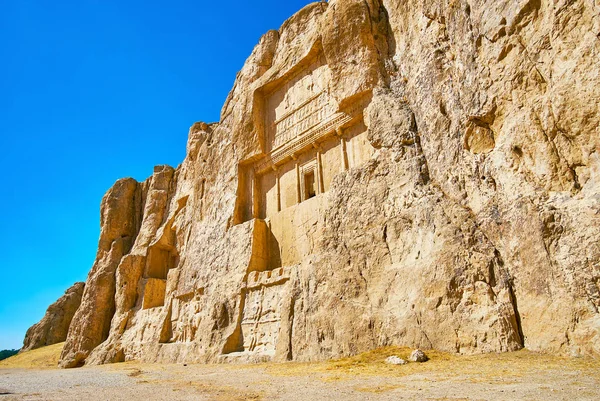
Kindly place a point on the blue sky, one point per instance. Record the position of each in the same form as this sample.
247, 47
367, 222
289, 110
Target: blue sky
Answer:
92, 91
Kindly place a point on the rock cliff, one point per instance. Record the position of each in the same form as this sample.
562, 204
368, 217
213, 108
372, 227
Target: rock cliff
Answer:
54, 326
423, 173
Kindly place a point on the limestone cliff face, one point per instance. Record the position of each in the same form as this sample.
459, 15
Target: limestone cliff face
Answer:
423, 173
54, 326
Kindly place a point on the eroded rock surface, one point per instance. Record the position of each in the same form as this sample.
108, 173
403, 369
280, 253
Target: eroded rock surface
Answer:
54, 326
419, 173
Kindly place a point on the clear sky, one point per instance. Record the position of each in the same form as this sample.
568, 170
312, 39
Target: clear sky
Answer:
92, 91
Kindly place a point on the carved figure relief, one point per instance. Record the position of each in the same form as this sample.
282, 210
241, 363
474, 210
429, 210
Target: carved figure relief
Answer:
300, 112
301, 120
299, 104
185, 317
262, 310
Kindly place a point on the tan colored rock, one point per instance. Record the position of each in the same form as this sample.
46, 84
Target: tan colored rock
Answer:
54, 326
417, 173
119, 224
479, 139
395, 360
418, 356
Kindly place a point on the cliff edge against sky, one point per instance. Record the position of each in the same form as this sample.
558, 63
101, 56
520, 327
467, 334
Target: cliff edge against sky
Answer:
421, 173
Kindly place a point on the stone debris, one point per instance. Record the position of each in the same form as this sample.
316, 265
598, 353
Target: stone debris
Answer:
394, 360
418, 356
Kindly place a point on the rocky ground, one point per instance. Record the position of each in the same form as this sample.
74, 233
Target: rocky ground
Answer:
520, 375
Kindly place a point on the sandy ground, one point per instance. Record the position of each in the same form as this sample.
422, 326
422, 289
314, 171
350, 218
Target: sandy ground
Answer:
517, 376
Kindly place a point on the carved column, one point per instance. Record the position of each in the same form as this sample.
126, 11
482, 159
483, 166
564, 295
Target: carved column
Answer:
255, 196
344, 152
298, 189
320, 186
278, 188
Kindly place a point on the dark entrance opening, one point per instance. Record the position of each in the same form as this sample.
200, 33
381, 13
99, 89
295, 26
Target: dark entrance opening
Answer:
309, 185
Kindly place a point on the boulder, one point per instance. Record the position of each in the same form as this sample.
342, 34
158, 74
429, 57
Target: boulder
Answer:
418, 356
395, 360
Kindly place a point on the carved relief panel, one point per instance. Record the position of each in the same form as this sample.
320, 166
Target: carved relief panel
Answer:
262, 319
185, 317
299, 104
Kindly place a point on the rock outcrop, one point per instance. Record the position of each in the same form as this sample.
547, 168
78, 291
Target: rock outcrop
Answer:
420, 173
54, 326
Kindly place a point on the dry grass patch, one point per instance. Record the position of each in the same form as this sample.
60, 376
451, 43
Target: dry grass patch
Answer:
504, 368
41, 358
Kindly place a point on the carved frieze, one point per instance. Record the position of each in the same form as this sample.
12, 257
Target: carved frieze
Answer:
267, 278
297, 140
301, 120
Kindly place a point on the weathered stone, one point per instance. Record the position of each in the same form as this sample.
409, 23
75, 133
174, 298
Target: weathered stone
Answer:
395, 360
418, 356
479, 139
417, 173
119, 224
54, 326
390, 121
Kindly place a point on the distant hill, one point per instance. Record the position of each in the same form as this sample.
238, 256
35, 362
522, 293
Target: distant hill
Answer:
7, 353
39, 358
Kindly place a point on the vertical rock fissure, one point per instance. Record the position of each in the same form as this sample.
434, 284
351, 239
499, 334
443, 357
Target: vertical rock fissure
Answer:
508, 279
